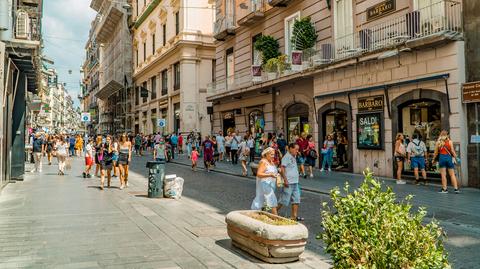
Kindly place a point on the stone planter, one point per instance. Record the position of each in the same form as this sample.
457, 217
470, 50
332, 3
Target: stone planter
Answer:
271, 243
254, 168
271, 75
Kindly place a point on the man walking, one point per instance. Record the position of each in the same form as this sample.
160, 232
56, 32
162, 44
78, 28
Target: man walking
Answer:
174, 142
417, 154
71, 146
291, 190
38, 151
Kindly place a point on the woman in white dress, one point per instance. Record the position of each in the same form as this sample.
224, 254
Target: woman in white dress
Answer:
62, 154
266, 182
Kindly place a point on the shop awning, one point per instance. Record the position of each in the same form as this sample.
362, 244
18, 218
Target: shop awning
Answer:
385, 86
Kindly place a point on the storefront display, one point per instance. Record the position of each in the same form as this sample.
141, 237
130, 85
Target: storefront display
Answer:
297, 121
370, 131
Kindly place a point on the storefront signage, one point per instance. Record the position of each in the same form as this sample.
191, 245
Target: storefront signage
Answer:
471, 92
370, 131
374, 103
380, 9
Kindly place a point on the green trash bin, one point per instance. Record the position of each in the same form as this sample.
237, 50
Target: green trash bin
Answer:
156, 174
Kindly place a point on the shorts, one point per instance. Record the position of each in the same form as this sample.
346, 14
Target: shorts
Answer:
123, 159
137, 147
221, 149
115, 157
88, 161
445, 161
106, 165
399, 158
310, 161
300, 160
290, 194
228, 149
418, 162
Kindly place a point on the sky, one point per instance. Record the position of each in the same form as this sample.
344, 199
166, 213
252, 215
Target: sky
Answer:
66, 24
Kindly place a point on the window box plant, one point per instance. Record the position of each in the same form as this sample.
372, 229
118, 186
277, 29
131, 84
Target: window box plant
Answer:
268, 237
304, 38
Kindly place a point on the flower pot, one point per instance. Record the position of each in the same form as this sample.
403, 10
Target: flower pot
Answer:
256, 73
271, 75
297, 64
278, 241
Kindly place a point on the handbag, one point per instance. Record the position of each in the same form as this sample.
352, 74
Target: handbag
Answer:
279, 180
324, 151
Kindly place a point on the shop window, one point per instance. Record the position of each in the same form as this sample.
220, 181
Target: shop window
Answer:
370, 131
228, 122
297, 121
176, 122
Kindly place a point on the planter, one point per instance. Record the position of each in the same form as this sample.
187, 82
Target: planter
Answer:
297, 60
271, 75
254, 168
281, 241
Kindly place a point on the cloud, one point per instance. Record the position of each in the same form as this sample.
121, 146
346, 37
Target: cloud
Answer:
66, 24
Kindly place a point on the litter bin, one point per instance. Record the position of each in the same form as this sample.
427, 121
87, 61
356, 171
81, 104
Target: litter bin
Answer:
156, 174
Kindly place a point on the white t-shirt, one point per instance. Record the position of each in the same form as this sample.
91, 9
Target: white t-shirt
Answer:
220, 140
291, 168
62, 148
416, 148
89, 150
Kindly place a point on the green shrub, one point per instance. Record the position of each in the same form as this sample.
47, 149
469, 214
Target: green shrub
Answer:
268, 46
304, 35
367, 228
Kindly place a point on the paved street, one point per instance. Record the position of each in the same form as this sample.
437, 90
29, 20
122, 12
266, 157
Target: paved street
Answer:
49, 221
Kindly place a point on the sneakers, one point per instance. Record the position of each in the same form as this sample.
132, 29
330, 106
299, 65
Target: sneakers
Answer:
457, 191
84, 175
311, 175
329, 169
443, 191
401, 182
89, 176
322, 170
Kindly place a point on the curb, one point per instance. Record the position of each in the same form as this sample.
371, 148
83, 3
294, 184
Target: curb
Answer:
249, 177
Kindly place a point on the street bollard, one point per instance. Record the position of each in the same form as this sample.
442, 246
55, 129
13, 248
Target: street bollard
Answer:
156, 174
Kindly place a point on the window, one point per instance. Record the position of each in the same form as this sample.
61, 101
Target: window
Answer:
144, 51
137, 8
177, 23
343, 25
176, 76
136, 56
164, 82
144, 85
137, 95
164, 33
256, 54
154, 87
153, 44
230, 67
289, 22
214, 70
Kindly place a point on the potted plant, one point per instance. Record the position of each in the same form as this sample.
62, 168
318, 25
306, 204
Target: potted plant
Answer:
268, 237
304, 38
268, 46
271, 67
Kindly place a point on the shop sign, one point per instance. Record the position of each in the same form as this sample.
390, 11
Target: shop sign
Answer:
380, 9
471, 92
374, 103
370, 131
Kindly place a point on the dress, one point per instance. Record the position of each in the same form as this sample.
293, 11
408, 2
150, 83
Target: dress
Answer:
265, 190
123, 154
207, 151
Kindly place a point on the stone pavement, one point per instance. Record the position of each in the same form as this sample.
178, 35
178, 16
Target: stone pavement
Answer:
51, 221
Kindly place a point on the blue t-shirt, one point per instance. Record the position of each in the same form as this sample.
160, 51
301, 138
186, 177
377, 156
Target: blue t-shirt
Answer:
37, 144
174, 139
72, 141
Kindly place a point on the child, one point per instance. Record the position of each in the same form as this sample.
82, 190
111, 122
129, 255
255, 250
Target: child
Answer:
194, 158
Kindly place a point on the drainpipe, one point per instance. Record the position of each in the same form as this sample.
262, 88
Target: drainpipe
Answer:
5, 20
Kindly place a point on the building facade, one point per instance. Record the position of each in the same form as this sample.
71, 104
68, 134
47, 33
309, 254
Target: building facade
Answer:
378, 68
173, 62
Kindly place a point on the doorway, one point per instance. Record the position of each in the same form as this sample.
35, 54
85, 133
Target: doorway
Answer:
335, 124
228, 122
297, 121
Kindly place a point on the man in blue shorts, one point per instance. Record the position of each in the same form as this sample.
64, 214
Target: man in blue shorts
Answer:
290, 193
417, 154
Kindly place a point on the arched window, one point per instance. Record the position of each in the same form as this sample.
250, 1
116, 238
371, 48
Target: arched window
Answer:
22, 25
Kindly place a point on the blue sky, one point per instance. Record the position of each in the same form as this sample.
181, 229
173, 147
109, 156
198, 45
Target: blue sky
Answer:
66, 24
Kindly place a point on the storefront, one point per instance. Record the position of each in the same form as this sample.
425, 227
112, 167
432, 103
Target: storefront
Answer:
228, 122
256, 127
471, 98
297, 121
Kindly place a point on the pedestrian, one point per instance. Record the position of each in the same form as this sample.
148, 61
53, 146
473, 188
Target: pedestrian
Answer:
160, 151
98, 144
446, 158
115, 154
189, 144
215, 149
244, 154
290, 192
89, 158
311, 154
416, 155
78, 145
138, 145
63, 150
180, 144
49, 148
282, 144
174, 143
251, 145
72, 142
266, 181
228, 146
194, 158
124, 158
400, 154
342, 143
220, 145
207, 146
38, 152
302, 143
234, 147
327, 152
106, 163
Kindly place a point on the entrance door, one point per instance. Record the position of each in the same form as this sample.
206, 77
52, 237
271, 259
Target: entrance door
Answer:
421, 117
297, 121
228, 122
335, 123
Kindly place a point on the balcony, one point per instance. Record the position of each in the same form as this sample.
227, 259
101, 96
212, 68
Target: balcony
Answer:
108, 23
224, 26
255, 12
440, 22
27, 25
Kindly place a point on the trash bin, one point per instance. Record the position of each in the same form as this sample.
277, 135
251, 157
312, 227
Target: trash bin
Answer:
156, 174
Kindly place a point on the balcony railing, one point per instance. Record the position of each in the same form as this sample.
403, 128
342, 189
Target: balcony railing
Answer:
224, 26
255, 12
443, 18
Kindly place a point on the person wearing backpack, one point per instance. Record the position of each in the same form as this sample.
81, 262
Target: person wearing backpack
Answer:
416, 156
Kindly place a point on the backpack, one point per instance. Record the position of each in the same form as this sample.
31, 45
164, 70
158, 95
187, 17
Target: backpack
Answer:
417, 149
313, 154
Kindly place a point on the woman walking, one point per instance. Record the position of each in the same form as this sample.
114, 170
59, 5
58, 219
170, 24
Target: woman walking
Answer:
50, 148
327, 152
62, 147
106, 163
311, 155
244, 154
400, 154
98, 144
302, 143
447, 158
124, 158
267, 174
207, 146
115, 156
79, 146
89, 156
342, 143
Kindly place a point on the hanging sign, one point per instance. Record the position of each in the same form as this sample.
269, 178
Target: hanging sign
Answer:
380, 9
161, 123
471, 92
374, 103
85, 117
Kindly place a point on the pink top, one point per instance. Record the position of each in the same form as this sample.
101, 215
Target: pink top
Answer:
194, 155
